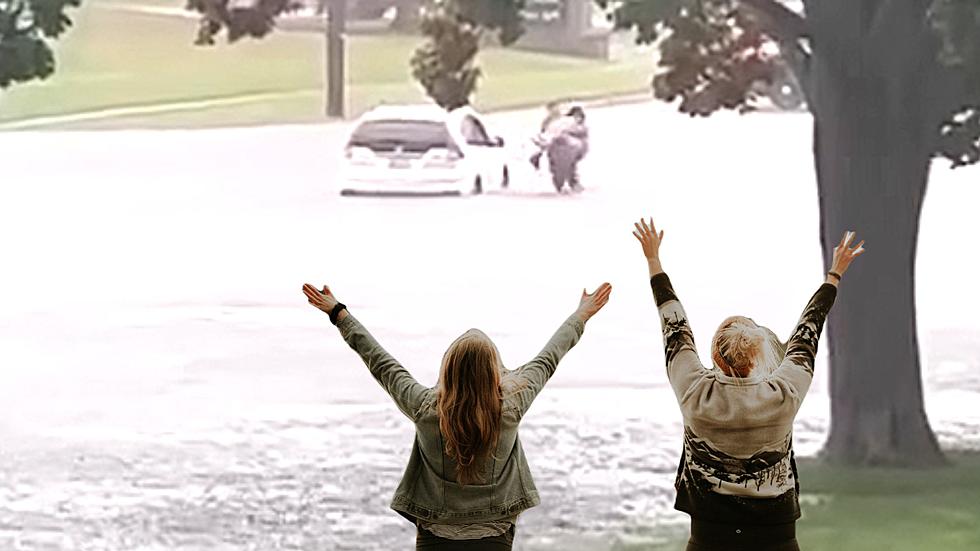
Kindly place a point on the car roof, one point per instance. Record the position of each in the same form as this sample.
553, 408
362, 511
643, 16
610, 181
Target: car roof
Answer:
422, 112
416, 112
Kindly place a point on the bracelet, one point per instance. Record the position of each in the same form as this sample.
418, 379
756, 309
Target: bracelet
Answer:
336, 312
834, 275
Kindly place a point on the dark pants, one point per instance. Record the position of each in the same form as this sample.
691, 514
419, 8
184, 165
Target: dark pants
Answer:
427, 540
712, 536
563, 163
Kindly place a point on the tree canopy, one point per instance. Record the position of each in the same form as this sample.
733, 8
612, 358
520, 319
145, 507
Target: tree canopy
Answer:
445, 64
26, 29
238, 19
712, 51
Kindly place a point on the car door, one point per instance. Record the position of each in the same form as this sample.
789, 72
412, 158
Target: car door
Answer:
486, 151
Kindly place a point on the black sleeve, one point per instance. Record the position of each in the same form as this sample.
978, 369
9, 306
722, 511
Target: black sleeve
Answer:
802, 347
663, 291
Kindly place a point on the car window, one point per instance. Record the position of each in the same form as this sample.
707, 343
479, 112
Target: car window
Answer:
411, 136
473, 131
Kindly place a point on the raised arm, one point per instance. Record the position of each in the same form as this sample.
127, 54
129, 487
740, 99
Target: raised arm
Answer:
407, 393
684, 368
801, 350
532, 376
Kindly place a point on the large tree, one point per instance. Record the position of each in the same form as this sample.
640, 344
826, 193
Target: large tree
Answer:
891, 84
26, 29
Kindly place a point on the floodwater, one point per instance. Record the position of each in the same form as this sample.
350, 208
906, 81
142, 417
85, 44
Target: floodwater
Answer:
164, 385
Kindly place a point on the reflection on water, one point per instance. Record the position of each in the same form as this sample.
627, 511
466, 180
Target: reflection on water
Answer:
605, 478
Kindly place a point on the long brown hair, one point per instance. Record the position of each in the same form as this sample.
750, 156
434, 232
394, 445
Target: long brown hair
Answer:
469, 403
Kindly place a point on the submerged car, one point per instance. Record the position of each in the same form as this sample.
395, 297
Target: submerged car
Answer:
422, 150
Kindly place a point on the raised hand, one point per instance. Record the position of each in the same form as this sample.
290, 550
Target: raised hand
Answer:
844, 255
649, 239
322, 300
593, 302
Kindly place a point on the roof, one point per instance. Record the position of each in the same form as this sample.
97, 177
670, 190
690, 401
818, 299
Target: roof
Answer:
415, 112
421, 111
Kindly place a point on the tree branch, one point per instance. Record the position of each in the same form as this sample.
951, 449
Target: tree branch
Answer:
788, 28
778, 21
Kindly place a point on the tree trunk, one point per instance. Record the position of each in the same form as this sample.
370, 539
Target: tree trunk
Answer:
874, 134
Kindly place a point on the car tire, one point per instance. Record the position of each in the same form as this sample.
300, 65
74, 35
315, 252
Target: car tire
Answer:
478, 186
505, 178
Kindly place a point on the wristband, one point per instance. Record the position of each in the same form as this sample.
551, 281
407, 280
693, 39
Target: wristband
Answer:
834, 275
336, 312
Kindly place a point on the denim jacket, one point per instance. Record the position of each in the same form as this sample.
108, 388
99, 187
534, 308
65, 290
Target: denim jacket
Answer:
428, 489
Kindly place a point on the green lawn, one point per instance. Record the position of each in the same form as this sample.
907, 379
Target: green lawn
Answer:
125, 62
888, 509
893, 509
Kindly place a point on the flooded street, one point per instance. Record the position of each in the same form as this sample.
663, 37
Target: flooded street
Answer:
326, 482
164, 385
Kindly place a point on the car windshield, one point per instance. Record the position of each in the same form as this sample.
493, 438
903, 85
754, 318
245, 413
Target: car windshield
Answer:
407, 135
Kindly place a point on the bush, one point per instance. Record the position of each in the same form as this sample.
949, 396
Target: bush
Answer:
445, 63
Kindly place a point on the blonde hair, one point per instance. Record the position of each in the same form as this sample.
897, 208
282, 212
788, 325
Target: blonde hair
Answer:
469, 403
741, 347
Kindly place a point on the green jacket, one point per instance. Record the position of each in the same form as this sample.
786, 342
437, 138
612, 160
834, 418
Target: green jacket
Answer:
428, 489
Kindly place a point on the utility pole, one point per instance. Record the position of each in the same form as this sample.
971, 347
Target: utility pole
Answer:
336, 57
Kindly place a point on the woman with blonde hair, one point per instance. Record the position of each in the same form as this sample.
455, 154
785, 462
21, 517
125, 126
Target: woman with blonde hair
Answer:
467, 478
737, 476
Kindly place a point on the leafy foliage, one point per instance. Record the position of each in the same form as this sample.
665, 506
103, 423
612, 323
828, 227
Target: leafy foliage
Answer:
26, 26
502, 17
648, 17
714, 55
958, 25
251, 18
712, 58
445, 64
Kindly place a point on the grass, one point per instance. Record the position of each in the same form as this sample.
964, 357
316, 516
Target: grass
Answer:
888, 509
116, 58
892, 509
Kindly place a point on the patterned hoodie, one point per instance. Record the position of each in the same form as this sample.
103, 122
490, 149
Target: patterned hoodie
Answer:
737, 465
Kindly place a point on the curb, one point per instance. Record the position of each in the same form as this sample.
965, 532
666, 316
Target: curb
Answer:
45, 123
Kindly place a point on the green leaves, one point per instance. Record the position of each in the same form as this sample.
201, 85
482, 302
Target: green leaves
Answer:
238, 18
500, 16
648, 17
445, 65
713, 55
959, 137
25, 28
49, 15
722, 54
958, 24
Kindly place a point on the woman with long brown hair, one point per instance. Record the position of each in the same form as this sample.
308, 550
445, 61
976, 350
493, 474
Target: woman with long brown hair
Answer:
467, 478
